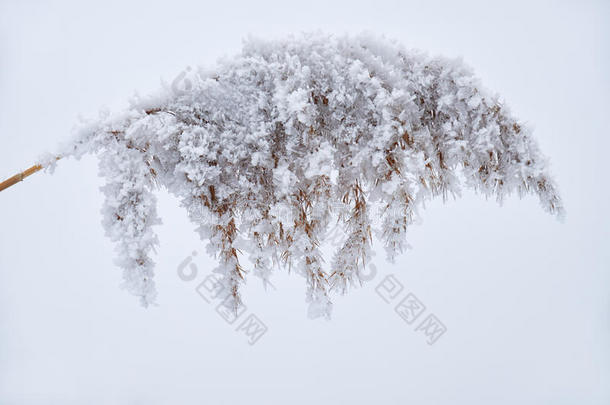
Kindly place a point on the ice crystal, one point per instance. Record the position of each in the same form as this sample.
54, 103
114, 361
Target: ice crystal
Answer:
274, 146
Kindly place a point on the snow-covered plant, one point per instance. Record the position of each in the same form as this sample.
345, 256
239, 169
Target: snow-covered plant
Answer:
273, 146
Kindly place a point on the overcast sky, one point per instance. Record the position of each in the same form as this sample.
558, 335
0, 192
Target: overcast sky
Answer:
525, 299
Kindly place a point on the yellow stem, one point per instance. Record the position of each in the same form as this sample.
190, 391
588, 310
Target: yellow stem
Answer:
20, 176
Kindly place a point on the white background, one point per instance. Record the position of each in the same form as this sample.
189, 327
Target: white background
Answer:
524, 297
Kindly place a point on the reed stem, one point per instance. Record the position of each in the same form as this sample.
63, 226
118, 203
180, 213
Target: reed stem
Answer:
19, 177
